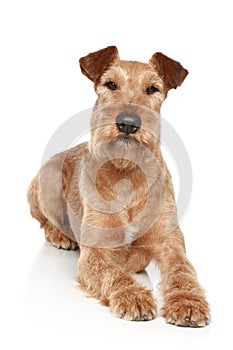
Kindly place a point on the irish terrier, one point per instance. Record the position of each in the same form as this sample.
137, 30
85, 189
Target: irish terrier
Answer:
113, 196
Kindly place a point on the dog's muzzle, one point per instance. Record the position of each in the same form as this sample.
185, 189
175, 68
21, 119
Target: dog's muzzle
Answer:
128, 123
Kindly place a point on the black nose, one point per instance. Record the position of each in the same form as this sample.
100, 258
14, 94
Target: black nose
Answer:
128, 123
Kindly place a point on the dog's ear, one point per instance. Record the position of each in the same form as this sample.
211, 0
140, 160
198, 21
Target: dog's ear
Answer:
172, 72
94, 64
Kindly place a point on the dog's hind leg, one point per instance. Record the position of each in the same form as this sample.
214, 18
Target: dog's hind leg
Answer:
48, 204
58, 239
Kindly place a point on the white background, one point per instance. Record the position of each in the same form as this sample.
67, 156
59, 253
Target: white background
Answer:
41, 86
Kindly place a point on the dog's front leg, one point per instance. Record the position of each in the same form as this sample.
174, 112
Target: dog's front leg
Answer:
102, 277
184, 299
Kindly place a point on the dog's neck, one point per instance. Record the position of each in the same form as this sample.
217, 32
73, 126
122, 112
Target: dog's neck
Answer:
105, 174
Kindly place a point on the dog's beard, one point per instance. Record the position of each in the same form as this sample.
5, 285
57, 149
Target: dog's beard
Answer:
121, 147
123, 152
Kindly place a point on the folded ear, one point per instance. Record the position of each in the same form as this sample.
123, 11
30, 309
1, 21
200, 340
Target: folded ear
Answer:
172, 72
94, 64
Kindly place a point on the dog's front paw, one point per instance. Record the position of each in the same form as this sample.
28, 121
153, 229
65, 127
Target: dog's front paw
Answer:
187, 311
133, 304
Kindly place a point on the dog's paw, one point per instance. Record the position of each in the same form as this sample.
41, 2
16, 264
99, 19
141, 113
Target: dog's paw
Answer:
187, 311
60, 241
66, 244
133, 304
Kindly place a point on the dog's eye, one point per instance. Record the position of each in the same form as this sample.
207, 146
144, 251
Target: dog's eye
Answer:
151, 90
111, 85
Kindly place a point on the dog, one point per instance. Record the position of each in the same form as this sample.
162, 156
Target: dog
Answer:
113, 196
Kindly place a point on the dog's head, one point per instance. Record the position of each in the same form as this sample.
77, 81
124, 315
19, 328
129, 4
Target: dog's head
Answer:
130, 95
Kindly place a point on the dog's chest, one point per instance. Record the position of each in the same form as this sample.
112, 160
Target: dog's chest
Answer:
128, 190
118, 199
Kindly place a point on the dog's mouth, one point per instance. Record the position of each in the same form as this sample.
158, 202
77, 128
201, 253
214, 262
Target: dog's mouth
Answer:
126, 139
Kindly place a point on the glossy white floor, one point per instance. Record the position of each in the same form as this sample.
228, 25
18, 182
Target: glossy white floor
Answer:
59, 314
51, 313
